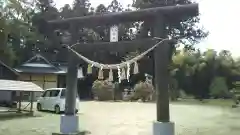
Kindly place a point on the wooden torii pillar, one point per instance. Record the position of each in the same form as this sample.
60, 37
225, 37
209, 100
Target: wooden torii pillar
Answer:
159, 17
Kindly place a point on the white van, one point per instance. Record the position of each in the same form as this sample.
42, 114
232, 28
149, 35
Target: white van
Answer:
54, 100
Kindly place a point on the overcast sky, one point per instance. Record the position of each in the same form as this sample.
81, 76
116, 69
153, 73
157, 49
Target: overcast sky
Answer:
219, 17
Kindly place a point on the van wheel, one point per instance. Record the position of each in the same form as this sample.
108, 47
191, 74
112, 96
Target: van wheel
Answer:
39, 107
57, 109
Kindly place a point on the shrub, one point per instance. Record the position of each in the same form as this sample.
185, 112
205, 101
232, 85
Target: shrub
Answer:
143, 91
173, 89
218, 88
103, 90
117, 93
184, 95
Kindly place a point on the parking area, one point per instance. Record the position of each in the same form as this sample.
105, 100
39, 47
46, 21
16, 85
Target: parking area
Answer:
123, 118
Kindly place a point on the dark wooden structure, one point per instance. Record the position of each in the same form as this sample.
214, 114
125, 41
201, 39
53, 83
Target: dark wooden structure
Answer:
7, 72
180, 11
11, 93
158, 17
46, 74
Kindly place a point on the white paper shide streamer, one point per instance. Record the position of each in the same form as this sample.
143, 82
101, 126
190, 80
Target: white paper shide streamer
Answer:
128, 71
110, 77
135, 70
100, 74
119, 75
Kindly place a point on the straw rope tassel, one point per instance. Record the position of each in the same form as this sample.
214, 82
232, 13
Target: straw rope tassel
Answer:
110, 78
135, 70
100, 74
123, 75
89, 69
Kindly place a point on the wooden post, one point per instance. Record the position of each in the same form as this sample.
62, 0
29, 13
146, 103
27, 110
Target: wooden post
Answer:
20, 101
71, 92
32, 98
69, 122
114, 38
161, 61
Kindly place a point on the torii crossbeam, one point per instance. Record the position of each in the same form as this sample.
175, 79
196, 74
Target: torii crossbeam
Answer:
158, 17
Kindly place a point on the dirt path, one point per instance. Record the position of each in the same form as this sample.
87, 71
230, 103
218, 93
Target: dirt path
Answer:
106, 118
137, 118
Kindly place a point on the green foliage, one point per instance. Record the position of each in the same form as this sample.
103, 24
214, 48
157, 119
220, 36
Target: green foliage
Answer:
173, 89
103, 90
182, 94
16, 31
195, 70
218, 87
143, 90
187, 29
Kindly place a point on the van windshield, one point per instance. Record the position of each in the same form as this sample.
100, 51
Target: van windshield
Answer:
63, 94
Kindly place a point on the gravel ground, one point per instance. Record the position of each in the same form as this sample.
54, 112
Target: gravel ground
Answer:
122, 118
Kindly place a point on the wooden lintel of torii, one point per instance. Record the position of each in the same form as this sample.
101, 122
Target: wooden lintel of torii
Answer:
121, 46
172, 12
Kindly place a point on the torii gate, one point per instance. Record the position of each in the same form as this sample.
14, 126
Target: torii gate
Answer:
159, 17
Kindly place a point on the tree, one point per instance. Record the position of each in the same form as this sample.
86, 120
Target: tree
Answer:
81, 7
16, 29
196, 71
115, 6
188, 31
46, 10
218, 88
66, 11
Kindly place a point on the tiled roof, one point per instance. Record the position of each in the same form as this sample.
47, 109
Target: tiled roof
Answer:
11, 69
39, 57
39, 70
10, 85
38, 64
45, 66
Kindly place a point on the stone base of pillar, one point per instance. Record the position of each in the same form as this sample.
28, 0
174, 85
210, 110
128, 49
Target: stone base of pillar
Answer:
69, 124
163, 128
